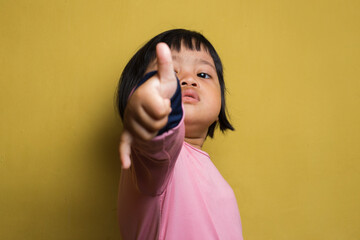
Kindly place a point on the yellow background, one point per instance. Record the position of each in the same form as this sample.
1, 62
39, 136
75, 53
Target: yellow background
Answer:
293, 75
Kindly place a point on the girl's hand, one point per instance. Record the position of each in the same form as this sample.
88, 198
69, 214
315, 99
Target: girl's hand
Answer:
148, 108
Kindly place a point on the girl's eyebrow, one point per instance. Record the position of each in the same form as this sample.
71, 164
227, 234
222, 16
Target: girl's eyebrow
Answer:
207, 63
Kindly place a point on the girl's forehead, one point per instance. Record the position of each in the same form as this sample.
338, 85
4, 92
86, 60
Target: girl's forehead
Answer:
186, 53
193, 57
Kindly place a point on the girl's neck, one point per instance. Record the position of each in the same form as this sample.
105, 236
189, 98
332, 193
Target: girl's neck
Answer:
195, 142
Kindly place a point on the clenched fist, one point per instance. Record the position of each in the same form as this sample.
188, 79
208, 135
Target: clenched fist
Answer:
149, 106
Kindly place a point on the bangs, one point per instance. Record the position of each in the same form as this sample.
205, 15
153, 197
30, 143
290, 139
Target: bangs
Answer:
189, 42
177, 39
189, 39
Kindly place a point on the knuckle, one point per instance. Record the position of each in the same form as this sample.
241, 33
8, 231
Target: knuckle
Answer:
160, 112
160, 124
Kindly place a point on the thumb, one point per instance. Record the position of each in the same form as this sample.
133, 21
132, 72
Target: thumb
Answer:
164, 62
125, 149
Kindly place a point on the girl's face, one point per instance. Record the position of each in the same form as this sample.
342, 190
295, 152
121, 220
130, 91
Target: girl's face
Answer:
201, 94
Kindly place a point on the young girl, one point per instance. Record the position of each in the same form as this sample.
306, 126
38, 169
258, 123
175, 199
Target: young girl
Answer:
170, 98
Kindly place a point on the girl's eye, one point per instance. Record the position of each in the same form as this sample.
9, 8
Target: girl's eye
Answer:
203, 75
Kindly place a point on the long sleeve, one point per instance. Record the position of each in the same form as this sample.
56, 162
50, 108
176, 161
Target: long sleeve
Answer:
154, 160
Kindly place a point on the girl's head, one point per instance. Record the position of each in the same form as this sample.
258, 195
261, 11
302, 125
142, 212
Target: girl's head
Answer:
175, 39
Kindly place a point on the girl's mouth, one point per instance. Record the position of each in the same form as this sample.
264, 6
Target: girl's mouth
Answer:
190, 96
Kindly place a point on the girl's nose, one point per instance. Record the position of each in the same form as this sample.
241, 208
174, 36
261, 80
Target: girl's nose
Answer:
189, 81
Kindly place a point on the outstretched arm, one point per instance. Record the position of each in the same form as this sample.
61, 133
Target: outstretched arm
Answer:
148, 108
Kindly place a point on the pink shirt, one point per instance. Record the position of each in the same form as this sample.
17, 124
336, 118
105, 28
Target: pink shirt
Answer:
174, 191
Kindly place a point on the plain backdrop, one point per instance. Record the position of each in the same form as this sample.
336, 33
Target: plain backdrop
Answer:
293, 78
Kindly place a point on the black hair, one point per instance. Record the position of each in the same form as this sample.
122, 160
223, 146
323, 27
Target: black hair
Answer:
136, 67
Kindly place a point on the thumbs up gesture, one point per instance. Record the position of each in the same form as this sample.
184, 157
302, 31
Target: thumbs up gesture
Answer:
148, 108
